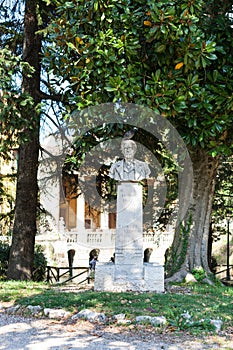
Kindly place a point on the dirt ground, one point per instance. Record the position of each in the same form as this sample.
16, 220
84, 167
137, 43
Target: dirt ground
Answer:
44, 334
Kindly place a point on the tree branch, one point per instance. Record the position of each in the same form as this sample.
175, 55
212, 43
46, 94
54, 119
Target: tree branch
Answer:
42, 95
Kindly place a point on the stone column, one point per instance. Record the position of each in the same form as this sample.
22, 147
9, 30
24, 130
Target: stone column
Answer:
129, 233
80, 224
104, 220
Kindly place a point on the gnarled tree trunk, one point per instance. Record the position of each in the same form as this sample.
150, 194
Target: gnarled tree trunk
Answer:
192, 240
24, 230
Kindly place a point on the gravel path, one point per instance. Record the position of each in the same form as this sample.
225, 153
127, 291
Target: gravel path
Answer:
43, 334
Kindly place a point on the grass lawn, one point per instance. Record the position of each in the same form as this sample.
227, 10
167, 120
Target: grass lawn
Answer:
201, 301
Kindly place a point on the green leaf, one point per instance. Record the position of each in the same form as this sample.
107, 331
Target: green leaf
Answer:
109, 88
96, 5
211, 56
160, 48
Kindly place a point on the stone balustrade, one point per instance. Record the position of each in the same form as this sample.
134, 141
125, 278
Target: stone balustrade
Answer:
101, 237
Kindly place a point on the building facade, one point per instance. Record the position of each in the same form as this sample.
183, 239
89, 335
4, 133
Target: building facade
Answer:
71, 224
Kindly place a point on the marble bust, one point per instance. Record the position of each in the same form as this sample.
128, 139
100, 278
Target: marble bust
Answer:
129, 168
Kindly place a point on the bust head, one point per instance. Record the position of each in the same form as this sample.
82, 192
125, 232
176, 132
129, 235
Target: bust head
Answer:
128, 148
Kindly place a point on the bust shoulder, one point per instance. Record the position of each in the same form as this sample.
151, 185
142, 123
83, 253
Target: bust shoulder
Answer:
117, 164
139, 162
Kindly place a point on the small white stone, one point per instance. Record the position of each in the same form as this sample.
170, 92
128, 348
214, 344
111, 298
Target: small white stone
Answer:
140, 319
90, 315
158, 320
34, 309
217, 324
154, 321
190, 278
13, 309
46, 311
55, 313
119, 317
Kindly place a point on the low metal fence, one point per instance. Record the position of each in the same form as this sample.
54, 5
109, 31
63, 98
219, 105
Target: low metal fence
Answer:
62, 274
225, 272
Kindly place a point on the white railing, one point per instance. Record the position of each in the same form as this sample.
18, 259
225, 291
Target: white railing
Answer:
149, 237
94, 238
103, 237
72, 237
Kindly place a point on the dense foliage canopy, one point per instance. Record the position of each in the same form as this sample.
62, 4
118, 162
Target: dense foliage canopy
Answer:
175, 57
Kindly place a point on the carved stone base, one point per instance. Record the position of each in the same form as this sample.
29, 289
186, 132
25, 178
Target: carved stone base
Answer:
112, 278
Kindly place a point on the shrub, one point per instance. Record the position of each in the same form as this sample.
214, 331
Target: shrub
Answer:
4, 257
39, 264
199, 273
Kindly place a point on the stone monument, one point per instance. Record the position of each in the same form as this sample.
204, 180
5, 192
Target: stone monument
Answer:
128, 272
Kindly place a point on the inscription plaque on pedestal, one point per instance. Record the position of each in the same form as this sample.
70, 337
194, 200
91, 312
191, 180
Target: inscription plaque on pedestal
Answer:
129, 235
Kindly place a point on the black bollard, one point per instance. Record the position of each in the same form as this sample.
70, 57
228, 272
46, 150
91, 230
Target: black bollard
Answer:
71, 254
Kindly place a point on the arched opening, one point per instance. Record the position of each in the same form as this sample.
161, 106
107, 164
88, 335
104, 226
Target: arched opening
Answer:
147, 254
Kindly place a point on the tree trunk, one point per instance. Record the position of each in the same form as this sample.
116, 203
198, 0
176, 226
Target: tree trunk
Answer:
192, 240
24, 229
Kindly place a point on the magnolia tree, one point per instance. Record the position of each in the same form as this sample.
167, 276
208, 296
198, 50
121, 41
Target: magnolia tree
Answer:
173, 57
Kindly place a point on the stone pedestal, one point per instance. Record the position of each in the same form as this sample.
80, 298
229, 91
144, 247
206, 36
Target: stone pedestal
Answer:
129, 234
151, 278
128, 272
